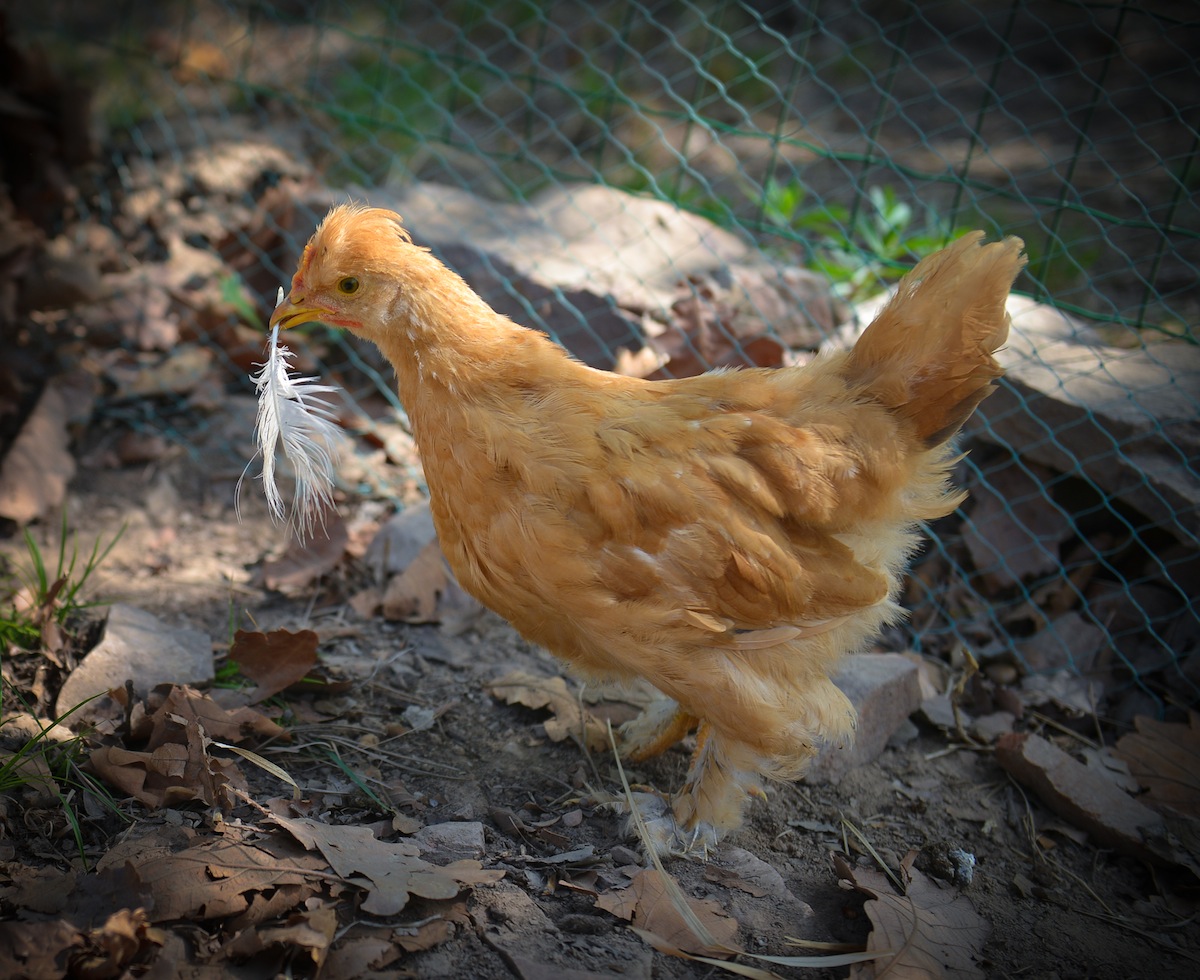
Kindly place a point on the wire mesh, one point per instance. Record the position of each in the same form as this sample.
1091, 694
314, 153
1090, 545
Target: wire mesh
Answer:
847, 138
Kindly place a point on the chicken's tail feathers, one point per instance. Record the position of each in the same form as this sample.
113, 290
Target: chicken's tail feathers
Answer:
928, 355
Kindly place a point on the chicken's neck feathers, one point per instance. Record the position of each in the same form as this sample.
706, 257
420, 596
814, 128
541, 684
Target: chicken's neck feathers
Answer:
459, 363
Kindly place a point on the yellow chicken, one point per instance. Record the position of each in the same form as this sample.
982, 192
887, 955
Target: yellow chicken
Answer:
727, 537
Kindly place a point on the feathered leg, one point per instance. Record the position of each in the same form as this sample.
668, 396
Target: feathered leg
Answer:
726, 771
660, 725
721, 779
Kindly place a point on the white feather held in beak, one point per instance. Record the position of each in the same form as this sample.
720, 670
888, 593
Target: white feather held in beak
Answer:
288, 413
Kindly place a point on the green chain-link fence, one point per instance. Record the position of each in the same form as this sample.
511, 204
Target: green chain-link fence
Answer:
848, 138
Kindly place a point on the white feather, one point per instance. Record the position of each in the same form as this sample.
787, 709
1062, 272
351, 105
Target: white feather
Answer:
288, 413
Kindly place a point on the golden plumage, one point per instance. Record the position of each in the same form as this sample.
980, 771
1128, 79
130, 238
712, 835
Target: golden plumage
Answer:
727, 537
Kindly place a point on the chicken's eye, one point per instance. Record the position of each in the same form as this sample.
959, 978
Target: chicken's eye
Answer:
348, 285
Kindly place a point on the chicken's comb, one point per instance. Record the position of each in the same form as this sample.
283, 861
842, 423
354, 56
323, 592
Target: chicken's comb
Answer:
306, 258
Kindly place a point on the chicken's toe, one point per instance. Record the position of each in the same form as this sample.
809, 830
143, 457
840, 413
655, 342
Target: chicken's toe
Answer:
663, 832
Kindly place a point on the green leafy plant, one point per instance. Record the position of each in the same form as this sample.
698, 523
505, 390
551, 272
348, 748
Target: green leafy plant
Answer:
44, 599
858, 249
50, 594
233, 292
54, 766
392, 106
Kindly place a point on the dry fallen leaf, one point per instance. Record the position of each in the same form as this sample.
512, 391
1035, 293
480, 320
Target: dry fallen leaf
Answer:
570, 717
53, 949
424, 935
1072, 790
174, 766
390, 873
111, 948
81, 898
412, 596
1164, 757
172, 774
311, 930
1064, 689
362, 956
303, 563
218, 878
170, 706
647, 905
274, 661
37, 949
930, 931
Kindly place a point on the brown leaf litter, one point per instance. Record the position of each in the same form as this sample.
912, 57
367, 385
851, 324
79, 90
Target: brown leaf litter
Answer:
1164, 757
176, 730
929, 930
569, 716
274, 661
648, 906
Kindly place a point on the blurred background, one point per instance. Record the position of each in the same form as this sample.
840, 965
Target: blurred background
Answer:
663, 187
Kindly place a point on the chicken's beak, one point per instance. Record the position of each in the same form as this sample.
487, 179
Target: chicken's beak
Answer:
293, 312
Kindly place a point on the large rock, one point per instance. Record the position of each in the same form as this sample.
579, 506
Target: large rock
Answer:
139, 647
1127, 419
584, 237
598, 268
884, 689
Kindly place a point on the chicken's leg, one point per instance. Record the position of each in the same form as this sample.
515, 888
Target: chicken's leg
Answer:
722, 776
660, 725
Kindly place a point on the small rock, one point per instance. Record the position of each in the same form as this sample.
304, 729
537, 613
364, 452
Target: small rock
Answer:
419, 717
452, 840
140, 447
964, 866
939, 712
988, 728
1009, 699
1002, 673
623, 856
885, 690
140, 647
1084, 797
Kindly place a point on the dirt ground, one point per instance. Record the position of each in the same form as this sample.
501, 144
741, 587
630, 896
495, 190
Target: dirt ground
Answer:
404, 740
1056, 904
